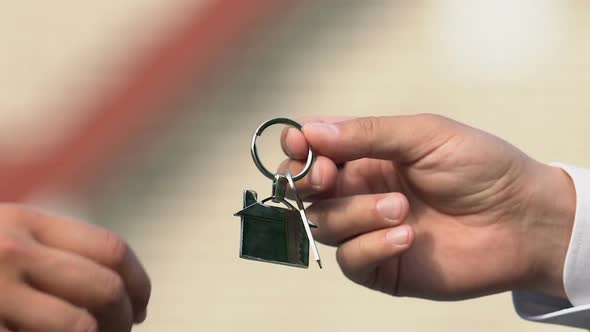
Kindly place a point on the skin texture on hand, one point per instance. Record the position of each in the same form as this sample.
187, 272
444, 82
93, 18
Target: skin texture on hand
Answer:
62, 275
424, 206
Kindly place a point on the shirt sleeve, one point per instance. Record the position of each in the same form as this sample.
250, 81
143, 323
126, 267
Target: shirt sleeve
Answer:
575, 311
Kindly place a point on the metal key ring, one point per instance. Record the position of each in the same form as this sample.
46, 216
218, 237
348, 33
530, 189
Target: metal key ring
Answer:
254, 151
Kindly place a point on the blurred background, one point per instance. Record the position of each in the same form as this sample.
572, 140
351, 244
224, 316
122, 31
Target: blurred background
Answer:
137, 115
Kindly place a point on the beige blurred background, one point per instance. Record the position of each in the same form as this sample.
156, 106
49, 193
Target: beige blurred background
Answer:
519, 69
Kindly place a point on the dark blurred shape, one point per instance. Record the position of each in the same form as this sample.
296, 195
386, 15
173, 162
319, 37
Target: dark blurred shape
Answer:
189, 55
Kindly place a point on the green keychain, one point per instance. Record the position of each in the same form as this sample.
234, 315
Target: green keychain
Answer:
275, 234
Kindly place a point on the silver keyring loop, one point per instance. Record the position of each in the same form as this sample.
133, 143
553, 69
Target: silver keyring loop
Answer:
254, 151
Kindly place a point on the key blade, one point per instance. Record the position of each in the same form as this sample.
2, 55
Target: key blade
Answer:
314, 248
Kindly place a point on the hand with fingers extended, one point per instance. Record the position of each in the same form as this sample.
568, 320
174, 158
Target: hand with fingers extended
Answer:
424, 206
62, 275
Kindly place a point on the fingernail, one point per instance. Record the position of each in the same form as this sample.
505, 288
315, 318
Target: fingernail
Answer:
315, 177
326, 130
390, 208
398, 236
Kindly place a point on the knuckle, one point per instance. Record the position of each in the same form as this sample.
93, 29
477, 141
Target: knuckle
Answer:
324, 236
360, 245
84, 322
343, 257
9, 291
343, 260
21, 216
16, 213
368, 125
434, 122
12, 249
319, 215
144, 298
114, 289
116, 249
349, 256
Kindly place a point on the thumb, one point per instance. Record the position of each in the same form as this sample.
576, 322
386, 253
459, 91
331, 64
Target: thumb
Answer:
400, 138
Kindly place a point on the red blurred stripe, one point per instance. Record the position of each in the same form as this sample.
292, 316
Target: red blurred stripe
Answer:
185, 57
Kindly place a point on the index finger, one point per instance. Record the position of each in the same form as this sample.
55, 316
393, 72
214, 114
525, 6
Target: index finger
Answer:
403, 138
97, 244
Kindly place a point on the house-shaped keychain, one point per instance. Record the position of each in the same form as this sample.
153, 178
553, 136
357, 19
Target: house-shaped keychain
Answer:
272, 234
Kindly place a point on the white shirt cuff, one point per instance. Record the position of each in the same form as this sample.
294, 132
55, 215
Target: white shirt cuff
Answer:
546, 309
576, 275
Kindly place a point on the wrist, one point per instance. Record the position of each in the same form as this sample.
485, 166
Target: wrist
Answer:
549, 218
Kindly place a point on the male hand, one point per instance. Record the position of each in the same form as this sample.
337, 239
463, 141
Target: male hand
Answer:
60, 275
424, 206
